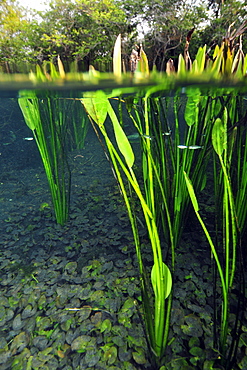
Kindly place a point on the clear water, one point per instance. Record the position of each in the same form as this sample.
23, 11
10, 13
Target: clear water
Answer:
60, 283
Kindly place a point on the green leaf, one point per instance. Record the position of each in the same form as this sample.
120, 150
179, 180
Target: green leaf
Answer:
166, 279
197, 352
181, 66
218, 136
143, 63
191, 192
191, 108
200, 58
139, 356
110, 355
105, 326
96, 105
121, 138
194, 67
40, 76
30, 110
245, 63
215, 69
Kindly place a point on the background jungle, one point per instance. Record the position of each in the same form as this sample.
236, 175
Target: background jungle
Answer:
83, 32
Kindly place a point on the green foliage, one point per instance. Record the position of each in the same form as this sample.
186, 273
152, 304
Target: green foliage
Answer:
165, 275
218, 137
224, 249
83, 31
98, 106
74, 30
12, 23
172, 162
47, 120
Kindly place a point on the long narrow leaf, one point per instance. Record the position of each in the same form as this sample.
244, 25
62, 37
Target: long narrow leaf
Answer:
121, 138
117, 63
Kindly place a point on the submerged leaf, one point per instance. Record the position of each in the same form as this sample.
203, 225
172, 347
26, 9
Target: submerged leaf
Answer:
110, 354
165, 278
121, 138
30, 110
96, 105
139, 356
191, 108
105, 326
191, 192
218, 136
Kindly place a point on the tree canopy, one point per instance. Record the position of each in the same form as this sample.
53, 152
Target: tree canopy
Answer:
84, 31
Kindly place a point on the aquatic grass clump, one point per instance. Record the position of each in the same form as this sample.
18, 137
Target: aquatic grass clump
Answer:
47, 118
77, 128
171, 154
226, 250
157, 315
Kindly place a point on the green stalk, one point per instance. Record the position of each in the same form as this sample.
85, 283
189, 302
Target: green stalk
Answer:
214, 252
156, 341
52, 151
155, 323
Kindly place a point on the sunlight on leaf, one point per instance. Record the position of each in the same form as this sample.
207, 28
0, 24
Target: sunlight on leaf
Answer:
117, 62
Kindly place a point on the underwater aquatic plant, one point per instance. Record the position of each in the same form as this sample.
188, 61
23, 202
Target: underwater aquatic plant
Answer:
167, 153
78, 127
98, 106
228, 246
168, 157
47, 120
